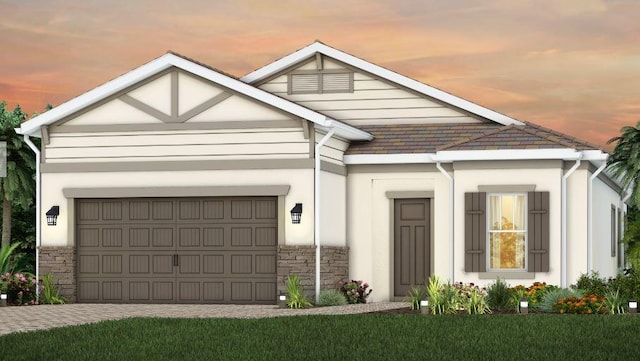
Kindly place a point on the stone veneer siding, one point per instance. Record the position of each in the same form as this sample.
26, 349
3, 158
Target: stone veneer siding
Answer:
300, 260
61, 263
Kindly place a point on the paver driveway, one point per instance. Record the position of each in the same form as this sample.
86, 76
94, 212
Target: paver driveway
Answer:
28, 318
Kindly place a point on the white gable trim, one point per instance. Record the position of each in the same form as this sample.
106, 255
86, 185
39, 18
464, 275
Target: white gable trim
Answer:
317, 47
32, 126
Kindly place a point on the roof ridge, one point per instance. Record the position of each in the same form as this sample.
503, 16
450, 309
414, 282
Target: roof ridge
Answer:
201, 64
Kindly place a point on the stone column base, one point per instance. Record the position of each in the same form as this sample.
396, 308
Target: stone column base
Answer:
61, 263
300, 260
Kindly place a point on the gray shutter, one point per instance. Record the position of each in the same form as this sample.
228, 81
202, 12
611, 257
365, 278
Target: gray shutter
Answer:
475, 232
538, 231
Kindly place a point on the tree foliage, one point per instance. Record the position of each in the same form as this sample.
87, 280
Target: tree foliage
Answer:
18, 187
624, 162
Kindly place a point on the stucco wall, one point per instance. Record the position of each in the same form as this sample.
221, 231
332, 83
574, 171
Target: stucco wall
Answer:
333, 209
370, 215
603, 199
300, 181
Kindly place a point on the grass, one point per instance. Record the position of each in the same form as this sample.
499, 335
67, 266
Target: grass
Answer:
354, 337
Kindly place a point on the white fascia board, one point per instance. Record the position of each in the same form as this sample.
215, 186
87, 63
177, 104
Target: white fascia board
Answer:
409, 158
166, 61
415, 85
346, 131
506, 154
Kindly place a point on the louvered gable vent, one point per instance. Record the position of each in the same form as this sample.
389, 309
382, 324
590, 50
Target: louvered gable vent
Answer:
336, 82
304, 83
320, 82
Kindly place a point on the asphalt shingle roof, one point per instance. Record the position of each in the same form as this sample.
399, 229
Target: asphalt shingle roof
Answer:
429, 138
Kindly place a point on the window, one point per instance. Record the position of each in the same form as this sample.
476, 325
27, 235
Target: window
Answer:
507, 232
321, 81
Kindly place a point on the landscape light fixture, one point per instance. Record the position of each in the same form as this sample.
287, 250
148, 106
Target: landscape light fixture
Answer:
282, 300
296, 213
3, 299
633, 306
424, 306
52, 215
524, 306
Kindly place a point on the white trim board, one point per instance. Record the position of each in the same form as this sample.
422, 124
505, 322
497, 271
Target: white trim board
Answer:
318, 47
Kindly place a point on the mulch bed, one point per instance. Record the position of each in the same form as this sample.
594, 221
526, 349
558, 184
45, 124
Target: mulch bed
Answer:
408, 311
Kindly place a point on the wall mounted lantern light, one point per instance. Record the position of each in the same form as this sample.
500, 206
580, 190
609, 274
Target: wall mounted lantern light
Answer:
296, 213
52, 215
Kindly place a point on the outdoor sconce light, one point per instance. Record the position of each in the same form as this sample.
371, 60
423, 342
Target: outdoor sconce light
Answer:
296, 213
282, 300
3, 300
52, 215
524, 306
424, 306
633, 306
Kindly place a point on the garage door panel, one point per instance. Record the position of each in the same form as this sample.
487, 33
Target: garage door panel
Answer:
186, 250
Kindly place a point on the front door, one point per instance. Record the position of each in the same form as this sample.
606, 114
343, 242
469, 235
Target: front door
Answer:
412, 244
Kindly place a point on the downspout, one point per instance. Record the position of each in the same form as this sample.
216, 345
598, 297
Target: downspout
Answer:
452, 215
590, 211
316, 202
563, 224
38, 206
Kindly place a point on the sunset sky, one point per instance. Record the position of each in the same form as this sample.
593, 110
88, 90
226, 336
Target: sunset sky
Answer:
572, 65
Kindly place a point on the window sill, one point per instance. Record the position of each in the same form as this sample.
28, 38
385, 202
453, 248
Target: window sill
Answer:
506, 275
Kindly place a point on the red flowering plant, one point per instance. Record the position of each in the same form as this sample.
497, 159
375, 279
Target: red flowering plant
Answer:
20, 288
355, 291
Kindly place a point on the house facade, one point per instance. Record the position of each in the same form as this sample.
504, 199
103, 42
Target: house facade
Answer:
176, 182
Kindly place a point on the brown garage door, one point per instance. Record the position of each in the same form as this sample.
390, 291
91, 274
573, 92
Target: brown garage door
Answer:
177, 250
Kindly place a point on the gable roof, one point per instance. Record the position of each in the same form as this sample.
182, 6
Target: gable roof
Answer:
529, 136
171, 59
318, 47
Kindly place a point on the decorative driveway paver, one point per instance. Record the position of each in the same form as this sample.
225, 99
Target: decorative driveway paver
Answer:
29, 318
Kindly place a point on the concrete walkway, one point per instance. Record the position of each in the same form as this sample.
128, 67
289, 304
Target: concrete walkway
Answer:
29, 318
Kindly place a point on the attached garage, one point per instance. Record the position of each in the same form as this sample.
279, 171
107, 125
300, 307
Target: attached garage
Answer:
177, 250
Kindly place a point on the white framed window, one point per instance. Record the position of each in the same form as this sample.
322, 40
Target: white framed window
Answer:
507, 231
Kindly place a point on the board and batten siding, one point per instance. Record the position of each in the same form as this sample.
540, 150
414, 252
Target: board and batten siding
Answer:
372, 101
267, 143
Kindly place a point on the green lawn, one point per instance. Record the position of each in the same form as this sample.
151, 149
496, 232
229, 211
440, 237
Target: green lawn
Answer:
351, 337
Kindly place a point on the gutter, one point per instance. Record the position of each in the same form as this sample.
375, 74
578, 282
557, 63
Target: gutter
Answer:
564, 225
590, 215
451, 222
316, 202
38, 211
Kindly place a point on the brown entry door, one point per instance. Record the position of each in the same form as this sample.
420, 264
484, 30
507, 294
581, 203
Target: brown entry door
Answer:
412, 249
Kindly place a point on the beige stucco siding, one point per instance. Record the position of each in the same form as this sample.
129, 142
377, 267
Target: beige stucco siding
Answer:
333, 209
577, 219
299, 180
177, 145
370, 228
372, 101
546, 179
603, 199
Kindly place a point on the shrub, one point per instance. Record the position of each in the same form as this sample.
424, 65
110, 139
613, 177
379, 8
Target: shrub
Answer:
296, 295
533, 294
21, 288
614, 302
414, 296
591, 284
552, 297
331, 298
355, 291
498, 295
50, 294
443, 298
589, 304
627, 283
